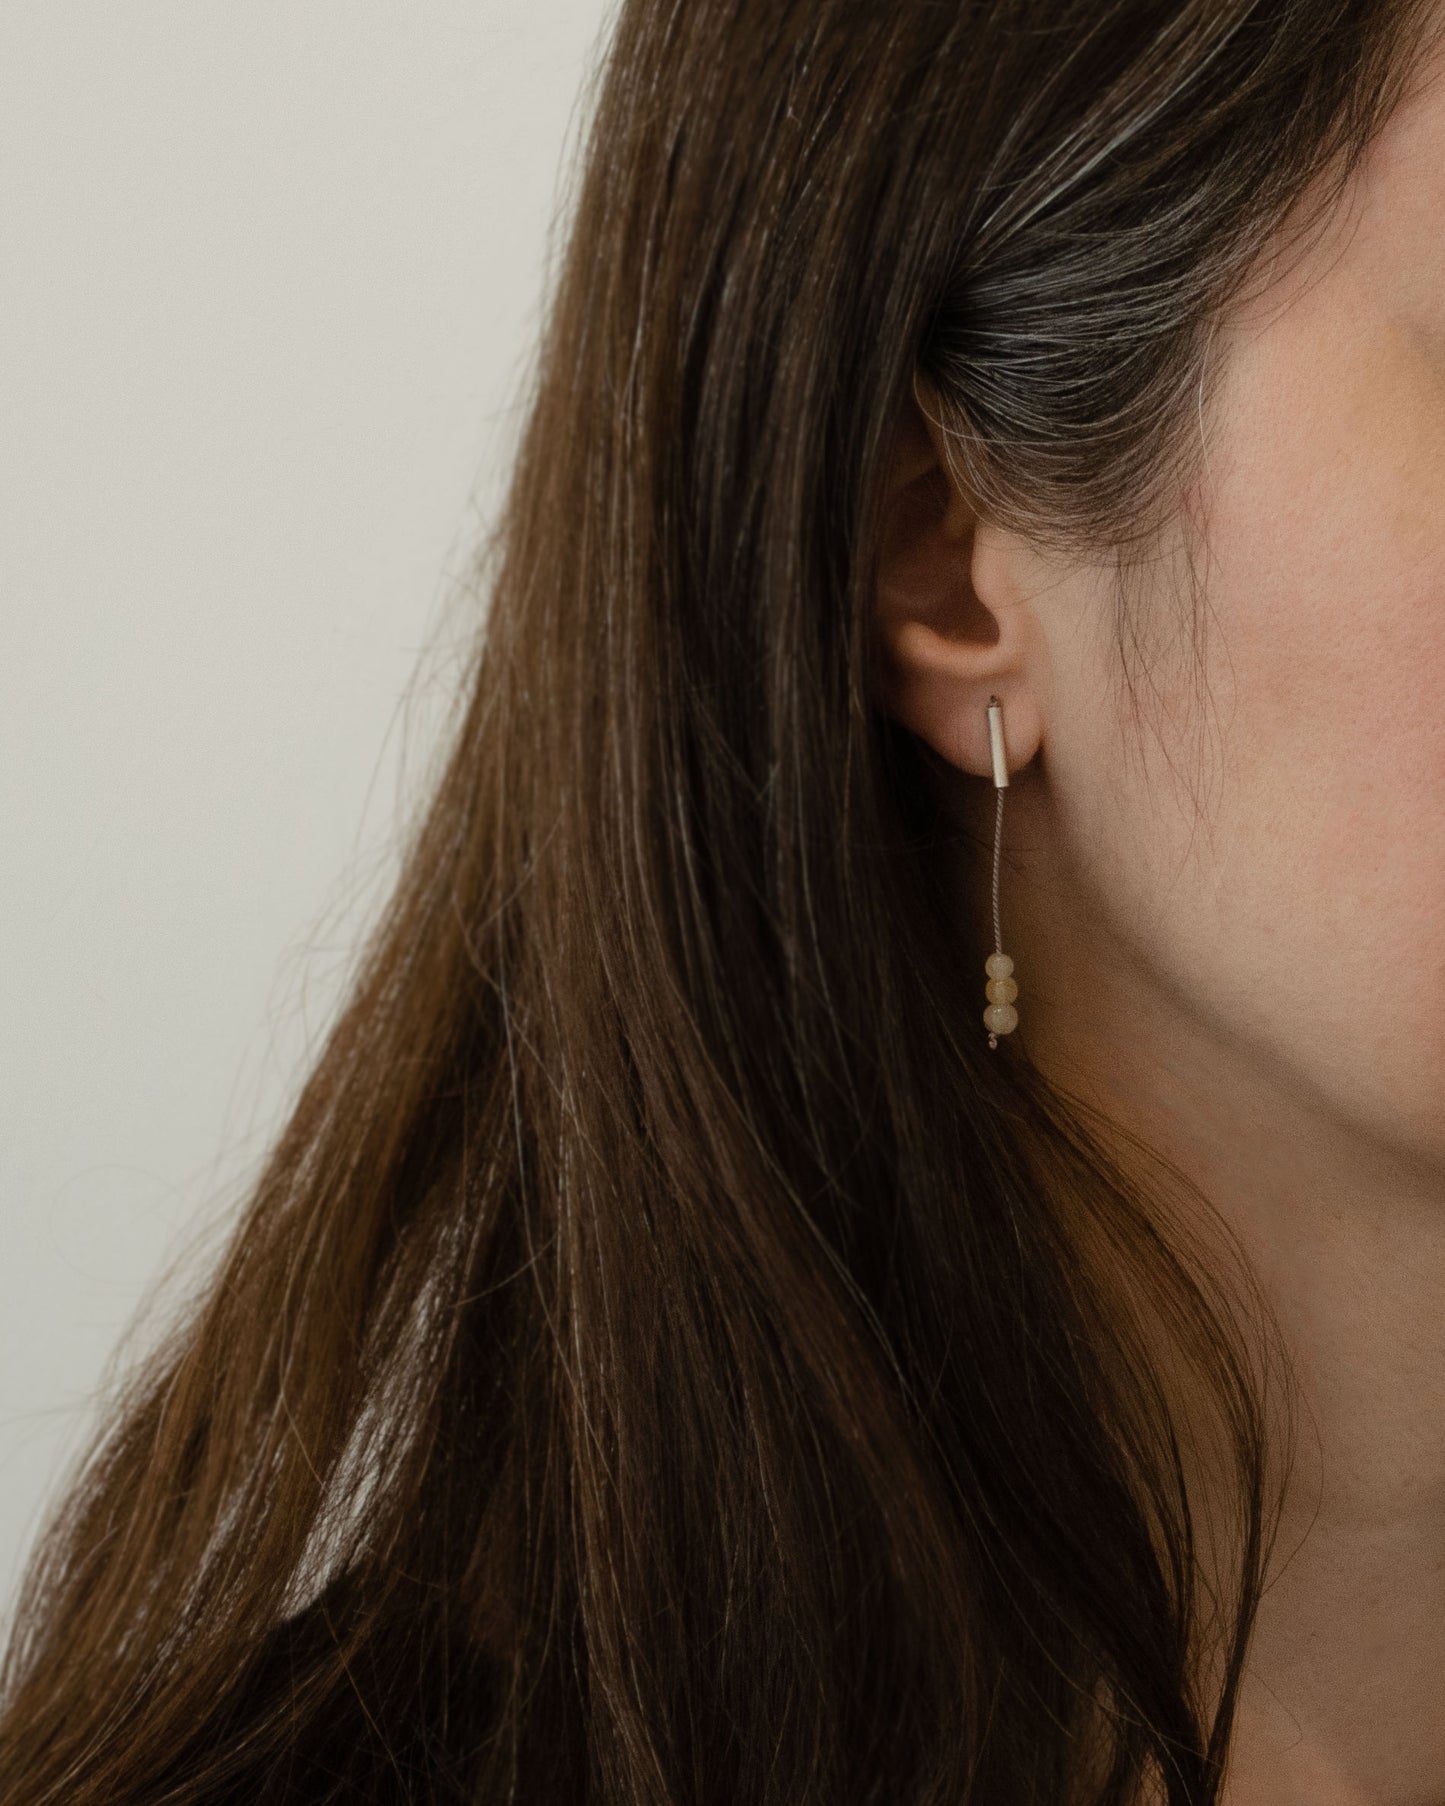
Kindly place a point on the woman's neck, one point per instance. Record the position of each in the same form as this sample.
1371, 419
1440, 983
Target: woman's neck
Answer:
1341, 1704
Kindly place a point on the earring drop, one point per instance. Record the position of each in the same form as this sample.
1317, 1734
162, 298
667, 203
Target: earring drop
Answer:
1000, 1018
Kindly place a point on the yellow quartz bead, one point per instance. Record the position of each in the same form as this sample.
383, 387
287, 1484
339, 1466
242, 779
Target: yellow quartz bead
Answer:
998, 965
1001, 990
1000, 1018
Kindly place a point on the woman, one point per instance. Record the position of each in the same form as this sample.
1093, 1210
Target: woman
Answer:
680, 1348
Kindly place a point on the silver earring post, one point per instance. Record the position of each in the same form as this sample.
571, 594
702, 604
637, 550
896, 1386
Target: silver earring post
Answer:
1000, 1018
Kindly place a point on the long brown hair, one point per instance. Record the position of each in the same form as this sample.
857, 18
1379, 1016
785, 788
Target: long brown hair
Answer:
666, 1356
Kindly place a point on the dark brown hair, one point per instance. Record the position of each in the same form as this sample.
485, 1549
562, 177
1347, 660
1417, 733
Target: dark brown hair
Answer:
666, 1356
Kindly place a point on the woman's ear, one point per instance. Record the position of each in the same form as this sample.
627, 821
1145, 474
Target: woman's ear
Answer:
953, 626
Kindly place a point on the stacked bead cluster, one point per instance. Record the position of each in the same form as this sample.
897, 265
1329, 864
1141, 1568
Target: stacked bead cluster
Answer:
1000, 1018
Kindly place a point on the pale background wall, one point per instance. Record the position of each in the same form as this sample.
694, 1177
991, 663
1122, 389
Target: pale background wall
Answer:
269, 282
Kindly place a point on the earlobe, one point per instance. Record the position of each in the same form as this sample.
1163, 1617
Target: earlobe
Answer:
944, 647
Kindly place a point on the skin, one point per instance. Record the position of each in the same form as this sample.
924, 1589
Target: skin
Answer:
1228, 921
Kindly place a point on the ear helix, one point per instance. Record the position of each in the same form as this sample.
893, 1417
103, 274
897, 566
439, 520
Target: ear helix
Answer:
1000, 1018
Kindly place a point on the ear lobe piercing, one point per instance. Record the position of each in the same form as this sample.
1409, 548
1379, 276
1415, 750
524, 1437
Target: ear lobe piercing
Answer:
1000, 1018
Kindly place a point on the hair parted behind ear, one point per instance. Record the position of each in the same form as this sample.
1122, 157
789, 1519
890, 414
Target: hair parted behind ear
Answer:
669, 1355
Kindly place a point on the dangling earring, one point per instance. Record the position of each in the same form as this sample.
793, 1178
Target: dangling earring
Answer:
1000, 1018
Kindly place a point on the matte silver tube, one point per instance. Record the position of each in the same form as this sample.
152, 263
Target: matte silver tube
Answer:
995, 737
